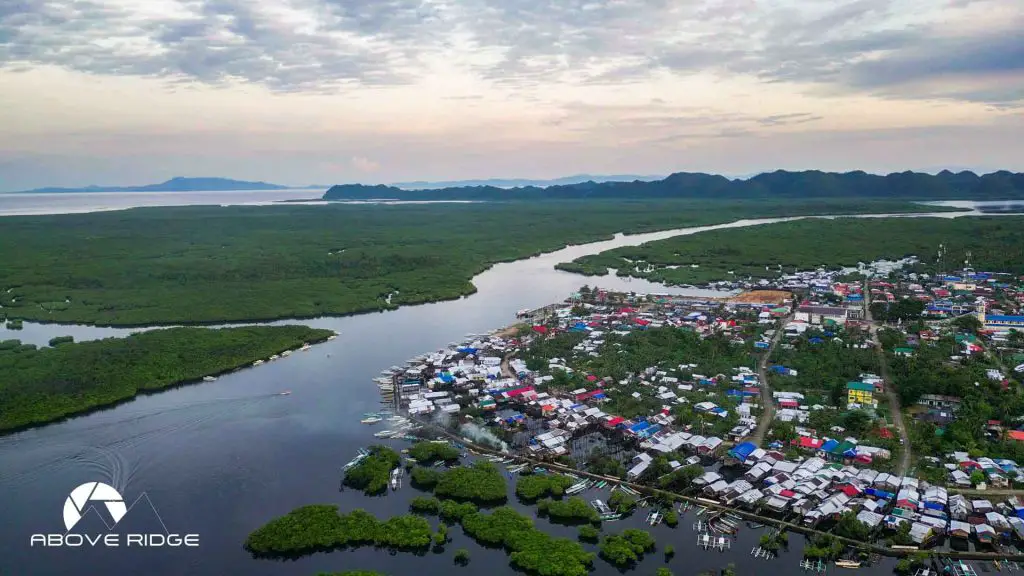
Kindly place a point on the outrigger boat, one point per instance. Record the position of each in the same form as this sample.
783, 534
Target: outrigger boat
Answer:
363, 453
847, 564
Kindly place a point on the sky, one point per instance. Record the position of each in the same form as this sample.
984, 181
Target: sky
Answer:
122, 92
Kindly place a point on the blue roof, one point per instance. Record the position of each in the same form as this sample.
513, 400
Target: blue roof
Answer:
1004, 318
829, 445
741, 451
640, 426
468, 350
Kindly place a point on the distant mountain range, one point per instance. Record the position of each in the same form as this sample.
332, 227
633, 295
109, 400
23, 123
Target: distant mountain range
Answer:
521, 182
179, 184
780, 184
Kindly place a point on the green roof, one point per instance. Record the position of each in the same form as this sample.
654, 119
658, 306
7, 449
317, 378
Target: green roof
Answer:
904, 351
860, 386
846, 445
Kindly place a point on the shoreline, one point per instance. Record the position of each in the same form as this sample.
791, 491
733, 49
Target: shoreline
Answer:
140, 392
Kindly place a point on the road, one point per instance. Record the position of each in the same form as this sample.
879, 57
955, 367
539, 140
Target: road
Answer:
906, 454
767, 402
506, 368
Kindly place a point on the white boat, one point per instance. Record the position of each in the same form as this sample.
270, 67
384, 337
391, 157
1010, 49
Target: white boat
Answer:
286, 353
257, 363
304, 347
332, 337
274, 357
209, 378
371, 420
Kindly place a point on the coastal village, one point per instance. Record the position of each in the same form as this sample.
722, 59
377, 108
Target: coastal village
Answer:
880, 404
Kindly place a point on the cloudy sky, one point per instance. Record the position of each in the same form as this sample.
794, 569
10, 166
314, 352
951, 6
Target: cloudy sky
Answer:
326, 91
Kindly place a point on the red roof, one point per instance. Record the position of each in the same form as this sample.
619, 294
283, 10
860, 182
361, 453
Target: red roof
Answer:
642, 322
615, 421
849, 490
789, 403
808, 442
1016, 435
787, 493
540, 329
519, 391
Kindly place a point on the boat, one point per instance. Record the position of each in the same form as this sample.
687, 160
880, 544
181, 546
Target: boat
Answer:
304, 347
257, 363
371, 420
601, 507
654, 518
274, 357
363, 453
396, 478
209, 378
284, 393
847, 564
286, 353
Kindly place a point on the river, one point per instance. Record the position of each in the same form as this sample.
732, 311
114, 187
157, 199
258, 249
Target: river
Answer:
220, 459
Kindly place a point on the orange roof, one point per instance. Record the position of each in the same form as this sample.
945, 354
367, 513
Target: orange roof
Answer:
1015, 435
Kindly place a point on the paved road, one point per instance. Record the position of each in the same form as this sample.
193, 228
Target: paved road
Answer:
767, 402
906, 454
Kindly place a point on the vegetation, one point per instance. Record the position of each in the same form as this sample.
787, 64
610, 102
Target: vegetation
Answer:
47, 384
763, 187
589, 533
995, 243
215, 264
848, 526
58, 340
452, 511
482, 482
371, 475
670, 551
575, 510
321, 527
531, 550
425, 505
425, 478
621, 502
662, 571
671, 519
824, 546
428, 452
626, 549
14, 324
461, 557
532, 487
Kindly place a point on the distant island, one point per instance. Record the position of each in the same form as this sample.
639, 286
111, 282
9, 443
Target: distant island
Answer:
781, 184
522, 182
177, 184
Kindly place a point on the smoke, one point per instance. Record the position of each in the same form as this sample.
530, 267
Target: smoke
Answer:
483, 436
442, 419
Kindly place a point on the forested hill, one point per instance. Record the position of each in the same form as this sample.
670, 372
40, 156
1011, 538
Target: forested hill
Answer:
779, 185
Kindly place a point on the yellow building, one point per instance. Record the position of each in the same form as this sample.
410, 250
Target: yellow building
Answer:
860, 393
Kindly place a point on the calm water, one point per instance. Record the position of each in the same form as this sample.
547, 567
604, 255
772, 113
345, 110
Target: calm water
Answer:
220, 459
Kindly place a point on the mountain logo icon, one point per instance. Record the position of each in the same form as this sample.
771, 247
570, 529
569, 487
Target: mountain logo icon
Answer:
78, 501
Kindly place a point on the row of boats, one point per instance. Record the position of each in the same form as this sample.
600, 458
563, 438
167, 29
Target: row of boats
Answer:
286, 353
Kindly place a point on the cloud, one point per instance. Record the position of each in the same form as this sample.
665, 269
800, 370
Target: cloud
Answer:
887, 47
363, 164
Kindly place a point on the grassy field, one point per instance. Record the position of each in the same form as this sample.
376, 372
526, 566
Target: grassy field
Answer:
996, 243
215, 264
46, 384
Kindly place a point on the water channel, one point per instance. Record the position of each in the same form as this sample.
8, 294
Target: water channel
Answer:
220, 459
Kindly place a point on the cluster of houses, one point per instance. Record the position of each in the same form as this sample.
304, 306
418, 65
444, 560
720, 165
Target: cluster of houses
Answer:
818, 490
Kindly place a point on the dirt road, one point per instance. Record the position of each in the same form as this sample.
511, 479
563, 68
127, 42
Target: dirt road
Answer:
906, 454
767, 402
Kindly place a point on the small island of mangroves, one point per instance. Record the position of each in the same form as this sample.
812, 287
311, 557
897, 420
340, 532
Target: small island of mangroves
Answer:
42, 385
